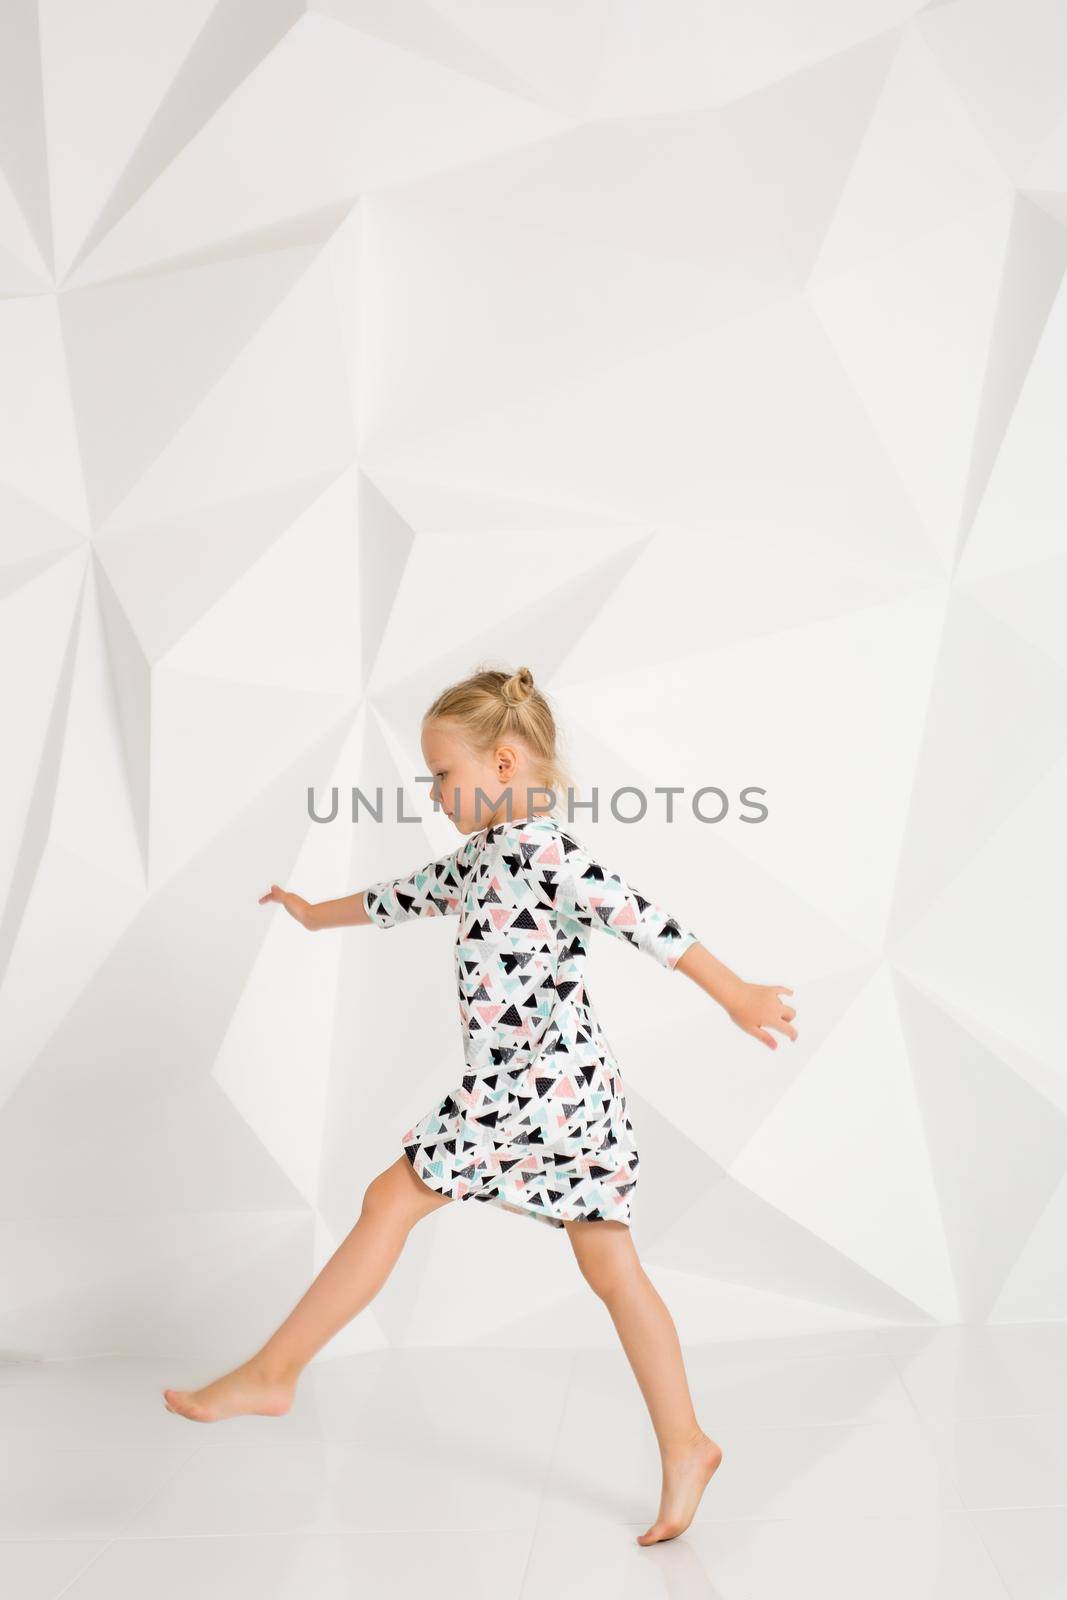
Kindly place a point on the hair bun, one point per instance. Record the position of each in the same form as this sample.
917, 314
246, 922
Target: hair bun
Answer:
518, 687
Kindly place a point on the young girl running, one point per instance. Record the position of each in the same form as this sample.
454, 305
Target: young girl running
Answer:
538, 1125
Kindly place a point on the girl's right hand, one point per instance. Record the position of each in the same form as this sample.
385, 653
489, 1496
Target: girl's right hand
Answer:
295, 904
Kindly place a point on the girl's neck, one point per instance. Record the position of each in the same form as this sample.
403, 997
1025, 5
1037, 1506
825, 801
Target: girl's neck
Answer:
519, 817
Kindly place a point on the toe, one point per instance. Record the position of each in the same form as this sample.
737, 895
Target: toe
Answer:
182, 1405
658, 1532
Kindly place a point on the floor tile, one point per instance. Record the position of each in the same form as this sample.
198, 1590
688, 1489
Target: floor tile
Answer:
41, 1569
986, 1371
932, 1557
403, 1483
1005, 1461
1028, 1545
79, 1494
320, 1566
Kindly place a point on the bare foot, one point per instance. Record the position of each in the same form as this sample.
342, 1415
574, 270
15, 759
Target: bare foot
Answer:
245, 1390
685, 1477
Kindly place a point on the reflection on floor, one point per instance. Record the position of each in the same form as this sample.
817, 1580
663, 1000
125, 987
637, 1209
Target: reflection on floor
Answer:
859, 1465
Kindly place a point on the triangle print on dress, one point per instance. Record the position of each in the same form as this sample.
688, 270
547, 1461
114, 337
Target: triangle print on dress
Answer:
539, 1123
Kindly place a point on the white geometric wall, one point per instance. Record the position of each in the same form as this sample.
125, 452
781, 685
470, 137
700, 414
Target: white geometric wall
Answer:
710, 359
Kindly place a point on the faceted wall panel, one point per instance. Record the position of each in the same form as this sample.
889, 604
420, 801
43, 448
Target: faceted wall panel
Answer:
709, 360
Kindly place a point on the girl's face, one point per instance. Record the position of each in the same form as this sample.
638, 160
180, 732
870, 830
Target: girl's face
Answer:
459, 773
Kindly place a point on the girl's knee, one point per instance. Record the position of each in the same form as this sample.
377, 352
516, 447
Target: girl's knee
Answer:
400, 1194
608, 1262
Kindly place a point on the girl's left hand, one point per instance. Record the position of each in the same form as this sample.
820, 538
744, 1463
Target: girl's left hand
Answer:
758, 1006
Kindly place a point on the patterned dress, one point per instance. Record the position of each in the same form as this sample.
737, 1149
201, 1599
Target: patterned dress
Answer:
539, 1123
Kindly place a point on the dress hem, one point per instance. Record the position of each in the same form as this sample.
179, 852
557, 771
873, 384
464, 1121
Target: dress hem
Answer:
493, 1197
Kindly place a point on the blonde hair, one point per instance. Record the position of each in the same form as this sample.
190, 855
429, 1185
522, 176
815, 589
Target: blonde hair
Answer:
493, 705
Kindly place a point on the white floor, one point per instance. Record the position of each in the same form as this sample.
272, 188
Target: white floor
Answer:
890, 1463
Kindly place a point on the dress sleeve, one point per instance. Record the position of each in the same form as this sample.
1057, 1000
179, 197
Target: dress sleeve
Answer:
434, 890
590, 895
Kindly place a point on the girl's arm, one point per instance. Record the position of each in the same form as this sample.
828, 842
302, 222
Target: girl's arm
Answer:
593, 897
590, 895
433, 890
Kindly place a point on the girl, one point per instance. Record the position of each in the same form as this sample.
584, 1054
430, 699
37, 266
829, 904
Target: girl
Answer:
538, 1125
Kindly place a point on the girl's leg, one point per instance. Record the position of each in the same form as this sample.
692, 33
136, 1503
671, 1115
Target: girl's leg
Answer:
394, 1201
609, 1262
